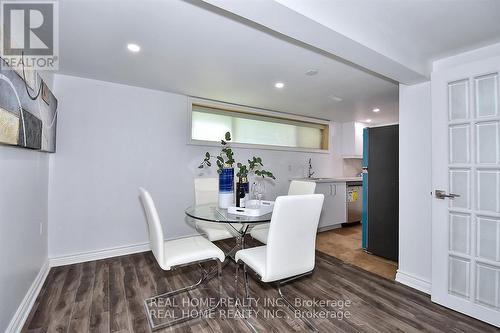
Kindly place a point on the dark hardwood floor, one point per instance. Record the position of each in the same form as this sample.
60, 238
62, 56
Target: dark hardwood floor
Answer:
107, 296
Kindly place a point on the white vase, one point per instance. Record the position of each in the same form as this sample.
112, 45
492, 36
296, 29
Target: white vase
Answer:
226, 199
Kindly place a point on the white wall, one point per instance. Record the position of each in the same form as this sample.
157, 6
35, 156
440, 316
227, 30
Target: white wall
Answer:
114, 138
415, 185
23, 207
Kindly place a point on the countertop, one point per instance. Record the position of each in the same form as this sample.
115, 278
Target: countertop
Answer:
331, 179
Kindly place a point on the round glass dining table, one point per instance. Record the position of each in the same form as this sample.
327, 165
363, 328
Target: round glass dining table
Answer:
212, 213
239, 225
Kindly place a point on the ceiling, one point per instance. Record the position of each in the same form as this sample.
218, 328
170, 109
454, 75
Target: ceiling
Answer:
195, 50
413, 32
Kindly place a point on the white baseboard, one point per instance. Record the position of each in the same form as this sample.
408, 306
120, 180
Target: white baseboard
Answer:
22, 312
413, 282
76, 258
98, 254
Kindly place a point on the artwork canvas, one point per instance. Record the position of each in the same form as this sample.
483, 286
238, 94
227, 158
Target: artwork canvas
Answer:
25, 122
9, 127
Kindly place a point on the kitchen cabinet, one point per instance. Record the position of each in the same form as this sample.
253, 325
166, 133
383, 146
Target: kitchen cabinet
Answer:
334, 210
352, 139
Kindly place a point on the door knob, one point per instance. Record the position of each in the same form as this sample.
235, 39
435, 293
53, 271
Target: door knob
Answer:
440, 194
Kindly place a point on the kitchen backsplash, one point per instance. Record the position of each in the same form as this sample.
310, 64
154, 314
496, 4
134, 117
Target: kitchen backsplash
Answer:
352, 167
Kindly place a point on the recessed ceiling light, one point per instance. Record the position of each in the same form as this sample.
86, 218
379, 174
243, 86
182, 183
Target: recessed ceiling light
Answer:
133, 47
376, 110
336, 98
312, 72
368, 120
279, 85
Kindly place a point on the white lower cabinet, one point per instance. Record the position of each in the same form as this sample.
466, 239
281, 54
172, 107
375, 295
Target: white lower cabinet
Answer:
334, 207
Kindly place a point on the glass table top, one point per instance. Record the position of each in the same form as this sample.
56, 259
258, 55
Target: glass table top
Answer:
212, 213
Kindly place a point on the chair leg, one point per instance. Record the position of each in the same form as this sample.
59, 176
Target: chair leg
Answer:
295, 310
236, 288
245, 274
219, 268
203, 278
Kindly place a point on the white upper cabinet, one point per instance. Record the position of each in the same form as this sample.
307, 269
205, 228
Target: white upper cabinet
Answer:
352, 139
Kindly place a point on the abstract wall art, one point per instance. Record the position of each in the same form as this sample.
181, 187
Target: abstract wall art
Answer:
26, 122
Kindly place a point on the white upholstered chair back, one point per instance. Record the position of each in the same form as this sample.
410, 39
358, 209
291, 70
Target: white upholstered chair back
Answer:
298, 187
206, 190
154, 226
292, 236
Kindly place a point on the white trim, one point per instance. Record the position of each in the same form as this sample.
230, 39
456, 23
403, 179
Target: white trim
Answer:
98, 254
413, 281
257, 146
258, 111
22, 312
358, 157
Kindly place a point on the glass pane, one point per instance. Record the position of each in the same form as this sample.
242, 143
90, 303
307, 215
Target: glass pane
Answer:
209, 126
459, 233
261, 132
487, 285
487, 95
487, 190
459, 144
460, 184
488, 234
458, 279
458, 100
488, 150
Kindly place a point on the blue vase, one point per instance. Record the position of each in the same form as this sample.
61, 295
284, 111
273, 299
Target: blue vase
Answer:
226, 187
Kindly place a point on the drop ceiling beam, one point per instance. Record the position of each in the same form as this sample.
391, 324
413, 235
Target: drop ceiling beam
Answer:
289, 24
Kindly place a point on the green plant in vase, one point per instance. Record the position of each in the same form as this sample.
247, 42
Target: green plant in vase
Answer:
225, 159
254, 166
225, 162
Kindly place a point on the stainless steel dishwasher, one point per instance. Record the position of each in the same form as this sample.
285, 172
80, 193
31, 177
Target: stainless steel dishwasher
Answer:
354, 201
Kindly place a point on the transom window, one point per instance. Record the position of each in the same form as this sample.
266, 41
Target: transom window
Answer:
209, 123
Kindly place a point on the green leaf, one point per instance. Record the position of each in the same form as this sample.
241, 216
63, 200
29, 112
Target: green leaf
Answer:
200, 166
209, 164
207, 154
228, 136
222, 142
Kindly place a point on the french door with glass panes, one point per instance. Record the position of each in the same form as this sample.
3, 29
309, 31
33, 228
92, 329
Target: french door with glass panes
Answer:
466, 189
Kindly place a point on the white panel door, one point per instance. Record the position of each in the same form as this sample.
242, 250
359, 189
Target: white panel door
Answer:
466, 162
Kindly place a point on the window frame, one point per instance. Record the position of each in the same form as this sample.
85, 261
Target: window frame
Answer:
260, 112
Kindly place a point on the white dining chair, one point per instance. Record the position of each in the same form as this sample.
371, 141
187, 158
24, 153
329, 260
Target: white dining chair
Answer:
206, 192
176, 253
290, 250
297, 187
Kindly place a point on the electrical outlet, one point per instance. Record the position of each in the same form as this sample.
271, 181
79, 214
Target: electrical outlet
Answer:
41, 228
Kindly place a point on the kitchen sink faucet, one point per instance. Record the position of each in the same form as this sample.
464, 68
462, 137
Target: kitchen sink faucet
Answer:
310, 173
